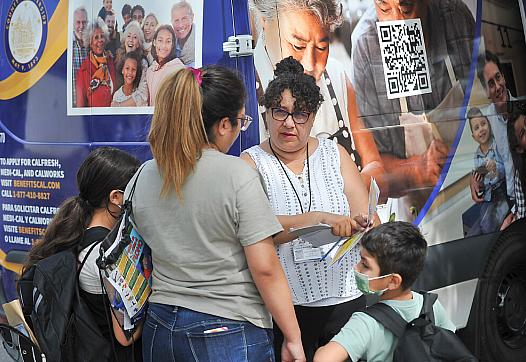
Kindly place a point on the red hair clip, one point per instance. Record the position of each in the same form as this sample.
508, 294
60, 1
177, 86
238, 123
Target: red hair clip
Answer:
198, 75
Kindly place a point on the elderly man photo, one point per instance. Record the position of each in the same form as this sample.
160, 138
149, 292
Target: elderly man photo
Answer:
448, 28
184, 28
79, 49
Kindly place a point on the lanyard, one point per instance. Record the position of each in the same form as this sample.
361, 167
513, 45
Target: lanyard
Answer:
290, 181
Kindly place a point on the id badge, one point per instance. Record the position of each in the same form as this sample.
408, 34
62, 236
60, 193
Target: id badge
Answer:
304, 254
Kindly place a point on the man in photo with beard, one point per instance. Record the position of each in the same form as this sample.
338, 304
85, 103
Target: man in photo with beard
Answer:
115, 37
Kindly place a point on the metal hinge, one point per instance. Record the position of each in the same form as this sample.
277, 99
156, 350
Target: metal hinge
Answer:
239, 46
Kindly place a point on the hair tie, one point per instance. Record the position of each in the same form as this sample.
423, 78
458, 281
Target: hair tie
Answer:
198, 75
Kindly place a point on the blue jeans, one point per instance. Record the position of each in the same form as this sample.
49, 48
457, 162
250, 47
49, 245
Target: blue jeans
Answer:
178, 334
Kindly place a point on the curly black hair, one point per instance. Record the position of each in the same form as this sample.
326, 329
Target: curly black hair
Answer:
289, 75
135, 56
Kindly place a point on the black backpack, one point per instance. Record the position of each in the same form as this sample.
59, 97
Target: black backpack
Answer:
421, 340
62, 322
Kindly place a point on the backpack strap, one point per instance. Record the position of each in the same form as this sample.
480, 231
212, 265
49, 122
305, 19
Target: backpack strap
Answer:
132, 191
86, 257
427, 306
387, 317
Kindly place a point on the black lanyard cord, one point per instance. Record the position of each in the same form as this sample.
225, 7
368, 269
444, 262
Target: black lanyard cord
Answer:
290, 181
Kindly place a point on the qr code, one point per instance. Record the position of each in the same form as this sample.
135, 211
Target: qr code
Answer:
404, 58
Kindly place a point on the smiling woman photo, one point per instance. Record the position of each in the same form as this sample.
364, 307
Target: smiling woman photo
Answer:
165, 61
149, 26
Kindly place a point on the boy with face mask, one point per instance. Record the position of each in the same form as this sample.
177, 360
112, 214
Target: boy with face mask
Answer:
392, 257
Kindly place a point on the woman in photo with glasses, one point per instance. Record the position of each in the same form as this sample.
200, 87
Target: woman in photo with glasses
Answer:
310, 181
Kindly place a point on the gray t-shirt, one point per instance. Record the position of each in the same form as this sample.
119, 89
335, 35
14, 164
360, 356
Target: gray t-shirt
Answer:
197, 243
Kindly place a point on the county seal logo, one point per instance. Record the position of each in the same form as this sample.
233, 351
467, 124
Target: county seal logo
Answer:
25, 34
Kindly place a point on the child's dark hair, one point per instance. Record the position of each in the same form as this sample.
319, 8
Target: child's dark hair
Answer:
126, 9
474, 112
138, 7
399, 248
137, 57
172, 54
289, 74
104, 170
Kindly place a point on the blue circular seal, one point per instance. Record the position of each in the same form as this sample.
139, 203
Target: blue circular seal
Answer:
25, 34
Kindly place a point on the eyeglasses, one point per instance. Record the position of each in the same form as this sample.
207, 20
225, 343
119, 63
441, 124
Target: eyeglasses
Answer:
245, 122
299, 117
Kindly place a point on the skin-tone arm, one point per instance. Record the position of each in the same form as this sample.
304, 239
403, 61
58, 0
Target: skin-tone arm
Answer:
331, 352
373, 166
119, 333
416, 171
342, 225
271, 282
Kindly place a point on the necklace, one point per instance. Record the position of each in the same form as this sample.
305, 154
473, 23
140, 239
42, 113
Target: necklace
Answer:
290, 181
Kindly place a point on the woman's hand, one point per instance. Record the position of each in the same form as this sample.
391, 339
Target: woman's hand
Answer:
292, 351
341, 225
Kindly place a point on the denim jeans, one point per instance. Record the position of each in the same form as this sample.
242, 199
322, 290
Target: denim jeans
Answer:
178, 334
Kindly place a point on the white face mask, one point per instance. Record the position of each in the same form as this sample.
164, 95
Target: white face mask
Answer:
363, 283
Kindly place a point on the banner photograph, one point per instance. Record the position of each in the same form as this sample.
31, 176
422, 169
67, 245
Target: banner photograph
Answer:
398, 90
119, 53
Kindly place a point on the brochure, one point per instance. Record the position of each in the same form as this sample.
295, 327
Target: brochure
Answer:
374, 193
316, 235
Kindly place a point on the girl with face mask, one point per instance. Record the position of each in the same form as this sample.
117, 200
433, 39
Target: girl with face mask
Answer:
85, 219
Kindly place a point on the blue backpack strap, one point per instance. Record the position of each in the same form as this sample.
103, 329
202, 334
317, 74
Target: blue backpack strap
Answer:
387, 317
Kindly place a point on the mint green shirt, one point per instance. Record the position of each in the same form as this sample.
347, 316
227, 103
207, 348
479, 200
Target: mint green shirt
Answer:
364, 338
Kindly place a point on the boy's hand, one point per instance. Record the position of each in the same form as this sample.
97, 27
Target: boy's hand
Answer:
476, 180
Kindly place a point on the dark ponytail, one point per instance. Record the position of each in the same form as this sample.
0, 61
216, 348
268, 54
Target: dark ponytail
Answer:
104, 170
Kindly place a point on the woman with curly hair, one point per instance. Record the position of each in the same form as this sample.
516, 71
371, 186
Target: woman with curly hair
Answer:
309, 181
301, 29
132, 73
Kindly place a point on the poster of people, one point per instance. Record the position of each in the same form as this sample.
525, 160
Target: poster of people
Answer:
119, 51
414, 94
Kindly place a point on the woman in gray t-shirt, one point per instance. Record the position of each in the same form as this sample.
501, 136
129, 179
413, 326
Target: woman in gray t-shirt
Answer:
205, 216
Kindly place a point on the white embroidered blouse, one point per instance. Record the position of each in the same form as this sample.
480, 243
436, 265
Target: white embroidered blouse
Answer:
312, 283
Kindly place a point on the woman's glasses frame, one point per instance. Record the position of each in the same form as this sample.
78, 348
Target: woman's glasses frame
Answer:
246, 120
280, 114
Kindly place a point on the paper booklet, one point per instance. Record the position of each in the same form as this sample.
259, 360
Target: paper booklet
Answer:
346, 245
317, 235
